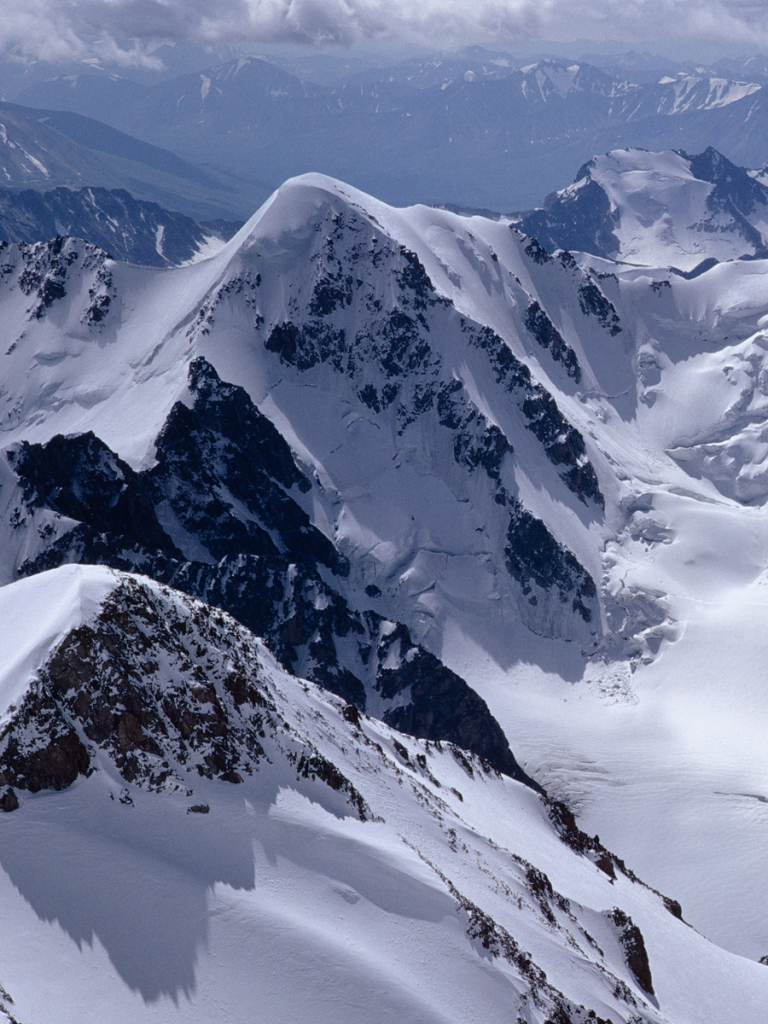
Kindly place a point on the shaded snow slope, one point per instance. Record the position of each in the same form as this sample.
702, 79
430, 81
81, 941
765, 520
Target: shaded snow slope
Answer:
235, 837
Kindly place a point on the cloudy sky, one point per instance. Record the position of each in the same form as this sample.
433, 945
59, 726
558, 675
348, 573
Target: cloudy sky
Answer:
75, 28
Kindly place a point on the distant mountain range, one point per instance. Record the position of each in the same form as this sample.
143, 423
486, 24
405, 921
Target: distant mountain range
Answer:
474, 129
129, 229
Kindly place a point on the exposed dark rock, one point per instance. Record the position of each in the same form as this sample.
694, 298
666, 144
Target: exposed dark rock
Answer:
673, 906
537, 252
168, 691
9, 801
81, 478
212, 460
476, 443
5, 1002
352, 715
563, 444
43, 272
578, 219
734, 197
330, 295
223, 454
129, 229
316, 766
40, 748
590, 846
396, 343
441, 704
414, 277
633, 944
594, 303
307, 344
548, 336
533, 555
543, 892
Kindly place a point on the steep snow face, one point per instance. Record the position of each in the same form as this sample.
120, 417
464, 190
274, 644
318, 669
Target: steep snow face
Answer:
657, 209
230, 836
548, 79
694, 92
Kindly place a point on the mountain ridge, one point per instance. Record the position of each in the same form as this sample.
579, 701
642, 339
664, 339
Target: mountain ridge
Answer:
375, 819
475, 130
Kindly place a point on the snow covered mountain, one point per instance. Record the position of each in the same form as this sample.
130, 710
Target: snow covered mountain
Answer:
656, 209
492, 496
192, 831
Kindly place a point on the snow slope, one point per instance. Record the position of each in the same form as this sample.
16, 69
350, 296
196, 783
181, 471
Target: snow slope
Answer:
350, 872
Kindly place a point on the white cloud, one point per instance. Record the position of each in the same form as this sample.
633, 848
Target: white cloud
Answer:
57, 28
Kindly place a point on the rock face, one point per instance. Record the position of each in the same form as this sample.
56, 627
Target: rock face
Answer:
225, 486
44, 271
360, 396
166, 689
633, 944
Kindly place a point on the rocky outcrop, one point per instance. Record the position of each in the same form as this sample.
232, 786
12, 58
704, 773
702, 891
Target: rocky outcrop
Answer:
43, 273
633, 944
578, 218
594, 303
168, 690
440, 704
548, 336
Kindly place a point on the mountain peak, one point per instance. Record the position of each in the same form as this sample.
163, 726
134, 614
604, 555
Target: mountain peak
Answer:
657, 209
